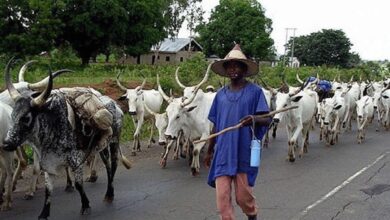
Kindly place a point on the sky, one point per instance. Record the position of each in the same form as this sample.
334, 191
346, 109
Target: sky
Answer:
365, 22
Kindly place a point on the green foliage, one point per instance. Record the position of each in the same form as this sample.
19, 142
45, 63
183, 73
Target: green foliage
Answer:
27, 27
240, 21
327, 47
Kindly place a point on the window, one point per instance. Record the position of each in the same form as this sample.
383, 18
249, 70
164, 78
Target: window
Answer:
167, 58
181, 59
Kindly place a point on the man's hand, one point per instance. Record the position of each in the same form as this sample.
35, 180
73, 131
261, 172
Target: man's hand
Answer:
247, 120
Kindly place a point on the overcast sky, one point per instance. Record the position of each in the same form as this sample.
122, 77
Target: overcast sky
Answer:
365, 22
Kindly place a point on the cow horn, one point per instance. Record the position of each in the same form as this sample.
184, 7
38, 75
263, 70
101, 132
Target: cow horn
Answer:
206, 76
23, 70
161, 91
41, 99
142, 85
149, 110
177, 78
351, 80
118, 83
10, 87
188, 101
43, 83
268, 87
299, 79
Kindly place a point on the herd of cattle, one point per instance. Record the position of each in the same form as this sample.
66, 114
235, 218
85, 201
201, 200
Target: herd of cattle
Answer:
36, 114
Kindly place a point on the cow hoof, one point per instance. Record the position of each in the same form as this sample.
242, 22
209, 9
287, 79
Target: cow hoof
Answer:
85, 211
69, 188
183, 156
291, 159
194, 172
133, 153
5, 207
175, 157
91, 179
28, 196
163, 163
108, 199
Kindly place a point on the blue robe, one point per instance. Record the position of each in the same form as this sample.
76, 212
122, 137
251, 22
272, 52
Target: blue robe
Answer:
232, 149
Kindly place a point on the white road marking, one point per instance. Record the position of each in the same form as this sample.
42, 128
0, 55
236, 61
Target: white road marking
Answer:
337, 188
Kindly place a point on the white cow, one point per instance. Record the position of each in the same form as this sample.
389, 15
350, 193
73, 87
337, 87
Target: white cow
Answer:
137, 98
334, 111
190, 116
6, 159
298, 121
385, 98
365, 115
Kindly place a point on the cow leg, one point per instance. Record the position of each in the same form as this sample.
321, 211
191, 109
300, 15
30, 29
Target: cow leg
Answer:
195, 165
69, 185
275, 127
151, 140
22, 164
6, 180
163, 161
92, 177
78, 175
177, 147
34, 179
3, 176
45, 213
105, 155
266, 139
114, 150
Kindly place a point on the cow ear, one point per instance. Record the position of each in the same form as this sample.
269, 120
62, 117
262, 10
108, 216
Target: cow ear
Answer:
385, 96
296, 99
191, 108
337, 107
123, 97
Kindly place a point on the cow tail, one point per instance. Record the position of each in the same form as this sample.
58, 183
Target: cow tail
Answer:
124, 160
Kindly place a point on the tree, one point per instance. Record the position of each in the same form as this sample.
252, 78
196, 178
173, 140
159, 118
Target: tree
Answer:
240, 21
327, 47
27, 27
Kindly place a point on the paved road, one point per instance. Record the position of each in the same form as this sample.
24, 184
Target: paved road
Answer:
346, 181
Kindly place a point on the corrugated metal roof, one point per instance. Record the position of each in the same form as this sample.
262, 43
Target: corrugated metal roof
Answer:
175, 45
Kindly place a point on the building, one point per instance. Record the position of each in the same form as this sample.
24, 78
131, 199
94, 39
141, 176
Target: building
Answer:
169, 51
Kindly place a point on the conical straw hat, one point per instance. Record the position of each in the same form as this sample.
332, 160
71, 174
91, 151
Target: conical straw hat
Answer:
235, 55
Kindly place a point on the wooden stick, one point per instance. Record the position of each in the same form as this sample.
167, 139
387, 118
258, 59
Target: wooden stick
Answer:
239, 125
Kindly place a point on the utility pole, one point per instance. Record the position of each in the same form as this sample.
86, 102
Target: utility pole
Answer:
292, 46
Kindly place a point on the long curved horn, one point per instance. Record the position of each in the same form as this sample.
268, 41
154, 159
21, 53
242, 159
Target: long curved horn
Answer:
141, 86
268, 87
10, 87
298, 78
338, 77
206, 76
118, 83
177, 78
43, 83
351, 80
149, 110
23, 70
161, 91
41, 99
188, 101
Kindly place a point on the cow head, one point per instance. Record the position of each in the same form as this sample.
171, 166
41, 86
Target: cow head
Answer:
362, 105
133, 96
25, 111
330, 106
178, 115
